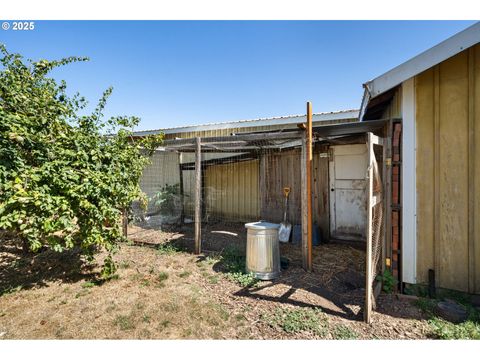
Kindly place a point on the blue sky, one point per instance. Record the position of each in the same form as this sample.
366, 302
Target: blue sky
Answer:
172, 73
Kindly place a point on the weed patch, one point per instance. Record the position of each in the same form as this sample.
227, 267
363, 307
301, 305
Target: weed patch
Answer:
162, 276
88, 284
295, 321
167, 249
184, 274
445, 330
442, 329
234, 265
124, 322
343, 332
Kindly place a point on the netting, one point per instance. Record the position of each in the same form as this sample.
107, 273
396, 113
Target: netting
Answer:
377, 221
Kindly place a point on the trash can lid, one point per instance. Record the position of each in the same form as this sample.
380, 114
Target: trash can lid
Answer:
262, 225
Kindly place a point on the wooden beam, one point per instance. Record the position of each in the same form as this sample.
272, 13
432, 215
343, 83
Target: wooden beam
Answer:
309, 161
296, 134
376, 140
198, 193
367, 313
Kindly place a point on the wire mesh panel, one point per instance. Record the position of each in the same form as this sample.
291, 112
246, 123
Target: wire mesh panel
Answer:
237, 188
375, 224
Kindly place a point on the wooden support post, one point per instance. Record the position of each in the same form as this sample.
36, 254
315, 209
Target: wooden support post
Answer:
306, 176
182, 192
304, 196
125, 222
198, 193
368, 261
384, 178
387, 194
309, 184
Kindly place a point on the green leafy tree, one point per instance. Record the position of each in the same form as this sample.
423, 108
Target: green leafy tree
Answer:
65, 178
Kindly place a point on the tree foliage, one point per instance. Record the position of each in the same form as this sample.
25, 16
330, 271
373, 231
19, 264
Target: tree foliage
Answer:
64, 178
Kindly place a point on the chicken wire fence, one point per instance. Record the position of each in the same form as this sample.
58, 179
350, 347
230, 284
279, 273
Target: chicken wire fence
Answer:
240, 182
377, 221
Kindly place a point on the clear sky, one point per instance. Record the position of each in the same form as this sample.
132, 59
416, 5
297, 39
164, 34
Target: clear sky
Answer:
172, 73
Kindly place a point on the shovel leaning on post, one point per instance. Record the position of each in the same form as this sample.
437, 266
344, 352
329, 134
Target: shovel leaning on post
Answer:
285, 227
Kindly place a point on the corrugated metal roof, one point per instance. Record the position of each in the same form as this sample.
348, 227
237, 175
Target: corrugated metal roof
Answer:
279, 120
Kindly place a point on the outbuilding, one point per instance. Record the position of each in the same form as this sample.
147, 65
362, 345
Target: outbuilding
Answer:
432, 102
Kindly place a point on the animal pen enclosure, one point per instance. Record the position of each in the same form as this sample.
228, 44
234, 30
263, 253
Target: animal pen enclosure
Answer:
231, 180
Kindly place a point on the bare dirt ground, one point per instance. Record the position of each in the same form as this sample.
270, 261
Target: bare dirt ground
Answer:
163, 291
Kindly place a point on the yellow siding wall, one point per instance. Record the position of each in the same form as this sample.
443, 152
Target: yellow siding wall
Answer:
394, 109
448, 195
231, 191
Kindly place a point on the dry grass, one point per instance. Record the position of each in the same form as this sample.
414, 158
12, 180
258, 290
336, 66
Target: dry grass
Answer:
166, 293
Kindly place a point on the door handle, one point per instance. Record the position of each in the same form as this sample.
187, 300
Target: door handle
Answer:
332, 189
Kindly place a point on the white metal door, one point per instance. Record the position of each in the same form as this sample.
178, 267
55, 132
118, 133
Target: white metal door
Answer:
348, 167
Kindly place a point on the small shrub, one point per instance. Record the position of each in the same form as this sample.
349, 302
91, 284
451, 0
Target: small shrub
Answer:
298, 320
168, 199
388, 281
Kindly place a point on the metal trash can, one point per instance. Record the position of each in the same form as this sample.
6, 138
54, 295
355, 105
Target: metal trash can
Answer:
263, 250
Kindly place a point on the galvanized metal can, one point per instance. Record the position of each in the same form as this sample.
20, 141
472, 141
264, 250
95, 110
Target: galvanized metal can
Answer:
263, 250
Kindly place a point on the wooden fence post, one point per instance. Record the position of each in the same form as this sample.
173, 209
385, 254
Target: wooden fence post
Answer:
198, 194
306, 176
367, 313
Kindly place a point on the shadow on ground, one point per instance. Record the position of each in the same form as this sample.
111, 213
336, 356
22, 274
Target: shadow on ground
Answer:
25, 271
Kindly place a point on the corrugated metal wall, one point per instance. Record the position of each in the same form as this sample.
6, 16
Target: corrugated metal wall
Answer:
448, 172
232, 192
